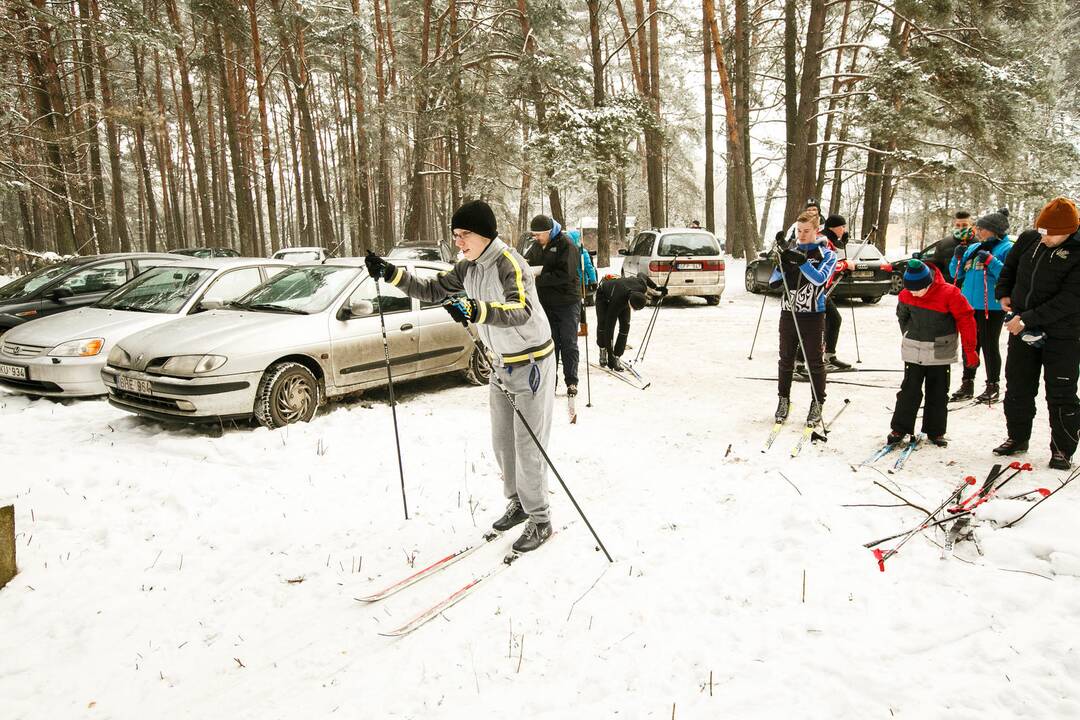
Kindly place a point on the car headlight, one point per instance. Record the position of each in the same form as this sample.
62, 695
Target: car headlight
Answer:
192, 364
87, 347
118, 357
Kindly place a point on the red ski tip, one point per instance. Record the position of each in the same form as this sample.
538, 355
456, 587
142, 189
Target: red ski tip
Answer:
879, 555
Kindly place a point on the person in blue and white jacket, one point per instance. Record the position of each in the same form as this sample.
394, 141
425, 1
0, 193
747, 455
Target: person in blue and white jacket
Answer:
976, 270
803, 274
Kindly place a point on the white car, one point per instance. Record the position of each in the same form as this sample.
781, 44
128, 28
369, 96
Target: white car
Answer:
311, 333
62, 355
688, 260
298, 255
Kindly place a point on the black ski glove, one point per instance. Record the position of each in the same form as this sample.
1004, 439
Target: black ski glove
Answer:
379, 268
792, 258
462, 309
662, 290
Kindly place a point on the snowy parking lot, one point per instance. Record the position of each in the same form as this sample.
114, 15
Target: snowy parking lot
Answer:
188, 572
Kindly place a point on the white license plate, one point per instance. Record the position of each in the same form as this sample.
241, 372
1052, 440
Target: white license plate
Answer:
688, 266
134, 385
13, 371
863, 274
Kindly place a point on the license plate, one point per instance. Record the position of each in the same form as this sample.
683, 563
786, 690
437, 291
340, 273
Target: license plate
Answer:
688, 266
863, 274
13, 371
134, 385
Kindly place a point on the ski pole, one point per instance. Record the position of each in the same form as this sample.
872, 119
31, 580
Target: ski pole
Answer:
817, 437
585, 327
1046, 497
393, 403
482, 350
764, 297
854, 326
882, 555
647, 337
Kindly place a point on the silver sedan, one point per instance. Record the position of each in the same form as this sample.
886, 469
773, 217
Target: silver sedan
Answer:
310, 333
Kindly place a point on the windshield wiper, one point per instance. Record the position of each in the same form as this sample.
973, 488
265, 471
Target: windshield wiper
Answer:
275, 308
129, 308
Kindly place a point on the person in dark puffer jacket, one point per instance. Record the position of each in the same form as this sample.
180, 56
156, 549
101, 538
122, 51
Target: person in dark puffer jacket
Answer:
558, 283
614, 299
1040, 289
932, 313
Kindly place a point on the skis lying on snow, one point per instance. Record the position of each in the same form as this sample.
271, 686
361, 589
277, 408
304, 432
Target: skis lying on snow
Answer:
447, 602
851, 370
435, 567
634, 383
831, 382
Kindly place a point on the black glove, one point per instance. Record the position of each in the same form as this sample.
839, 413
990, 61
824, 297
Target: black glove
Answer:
462, 309
959, 251
379, 268
662, 290
792, 258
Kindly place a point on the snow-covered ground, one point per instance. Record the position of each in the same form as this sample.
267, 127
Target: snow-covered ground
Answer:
181, 573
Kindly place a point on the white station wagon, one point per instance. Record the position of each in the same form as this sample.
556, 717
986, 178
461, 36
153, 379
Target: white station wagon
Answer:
310, 333
63, 354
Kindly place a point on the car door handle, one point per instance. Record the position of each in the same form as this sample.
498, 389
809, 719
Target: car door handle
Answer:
406, 327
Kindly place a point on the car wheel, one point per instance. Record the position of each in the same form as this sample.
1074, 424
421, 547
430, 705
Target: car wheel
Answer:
751, 286
897, 284
712, 299
872, 300
288, 393
478, 372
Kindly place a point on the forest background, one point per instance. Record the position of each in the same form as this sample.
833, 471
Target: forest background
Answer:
357, 124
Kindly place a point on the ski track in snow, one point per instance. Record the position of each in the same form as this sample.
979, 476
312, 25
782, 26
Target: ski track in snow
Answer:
155, 562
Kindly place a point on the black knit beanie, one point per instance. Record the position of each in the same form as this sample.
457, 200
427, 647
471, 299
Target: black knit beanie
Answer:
995, 222
541, 223
834, 221
475, 216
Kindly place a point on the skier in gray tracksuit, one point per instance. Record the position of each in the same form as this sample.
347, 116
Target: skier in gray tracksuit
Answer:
501, 300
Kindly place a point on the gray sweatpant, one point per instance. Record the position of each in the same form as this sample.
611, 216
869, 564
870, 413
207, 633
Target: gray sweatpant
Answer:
524, 471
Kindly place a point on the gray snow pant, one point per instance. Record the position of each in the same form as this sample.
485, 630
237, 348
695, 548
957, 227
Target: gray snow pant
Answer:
524, 470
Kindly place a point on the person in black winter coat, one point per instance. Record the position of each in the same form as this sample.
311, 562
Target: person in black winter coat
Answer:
1040, 289
614, 299
556, 257
945, 250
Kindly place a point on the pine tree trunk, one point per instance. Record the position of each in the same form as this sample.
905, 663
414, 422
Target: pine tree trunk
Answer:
710, 179
97, 183
151, 235
362, 169
264, 129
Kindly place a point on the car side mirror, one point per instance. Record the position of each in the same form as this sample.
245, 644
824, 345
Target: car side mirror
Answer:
623, 251
762, 255
61, 293
916, 255
211, 304
361, 308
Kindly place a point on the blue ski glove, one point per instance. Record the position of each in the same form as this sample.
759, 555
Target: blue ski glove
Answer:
378, 268
462, 309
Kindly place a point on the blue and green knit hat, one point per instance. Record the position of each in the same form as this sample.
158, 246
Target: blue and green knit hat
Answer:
917, 276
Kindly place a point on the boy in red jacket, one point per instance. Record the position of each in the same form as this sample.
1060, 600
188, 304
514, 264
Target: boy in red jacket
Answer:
932, 315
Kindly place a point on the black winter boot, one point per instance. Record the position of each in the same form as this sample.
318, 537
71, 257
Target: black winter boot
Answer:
603, 357
514, 515
1011, 447
782, 409
966, 391
938, 440
835, 364
1060, 461
615, 364
894, 437
533, 537
814, 416
990, 394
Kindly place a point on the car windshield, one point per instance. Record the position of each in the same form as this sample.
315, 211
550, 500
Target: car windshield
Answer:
862, 251
29, 283
302, 256
414, 253
162, 289
305, 290
688, 244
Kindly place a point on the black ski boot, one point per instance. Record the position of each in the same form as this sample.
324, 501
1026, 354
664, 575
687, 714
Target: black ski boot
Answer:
571, 390
514, 515
1060, 461
938, 440
966, 391
814, 416
533, 537
990, 394
603, 357
1011, 447
894, 437
835, 364
615, 364
782, 409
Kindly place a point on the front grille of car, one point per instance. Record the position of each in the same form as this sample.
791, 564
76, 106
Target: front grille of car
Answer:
30, 385
147, 401
19, 350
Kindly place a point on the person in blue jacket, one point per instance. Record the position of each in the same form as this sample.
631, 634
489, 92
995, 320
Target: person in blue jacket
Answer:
976, 270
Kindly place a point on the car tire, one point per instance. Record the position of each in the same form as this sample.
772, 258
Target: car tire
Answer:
478, 372
288, 393
712, 299
751, 285
872, 300
897, 284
